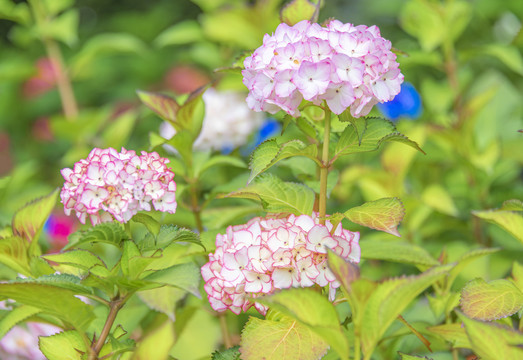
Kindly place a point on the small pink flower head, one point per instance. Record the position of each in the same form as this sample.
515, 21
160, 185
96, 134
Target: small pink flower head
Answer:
111, 186
347, 66
272, 253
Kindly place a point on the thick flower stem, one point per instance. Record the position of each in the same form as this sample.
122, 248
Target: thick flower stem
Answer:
227, 342
115, 306
324, 169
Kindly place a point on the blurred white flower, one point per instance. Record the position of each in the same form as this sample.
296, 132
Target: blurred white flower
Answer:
227, 124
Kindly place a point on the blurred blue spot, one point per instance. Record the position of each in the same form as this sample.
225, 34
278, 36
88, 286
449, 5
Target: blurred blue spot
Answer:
268, 129
406, 104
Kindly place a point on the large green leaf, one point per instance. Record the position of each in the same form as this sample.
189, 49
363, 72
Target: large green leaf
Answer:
388, 300
167, 235
67, 345
493, 341
453, 333
64, 281
275, 340
270, 152
490, 301
298, 10
82, 259
54, 300
465, 260
278, 196
163, 299
313, 310
229, 354
383, 214
396, 251
163, 105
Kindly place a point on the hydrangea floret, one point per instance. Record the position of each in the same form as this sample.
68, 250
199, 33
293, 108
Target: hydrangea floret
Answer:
342, 64
227, 124
112, 185
272, 253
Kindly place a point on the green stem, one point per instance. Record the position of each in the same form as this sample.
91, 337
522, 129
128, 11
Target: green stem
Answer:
195, 206
324, 169
357, 350
225, 331
115, 306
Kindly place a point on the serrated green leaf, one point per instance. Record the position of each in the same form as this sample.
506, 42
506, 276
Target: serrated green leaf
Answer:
164, 106
270, 152
383, 214
493, 341
229, 354
16, 316
278, 196
511, 221
29, 221
276, 340
313, 310
82, 259
389, 299
517, 274
298, 10
163, 299
50, 299
512, 205
184, 276
64, 281
150, 223
396, 251
168, 234
109, 233
453, 333
490, 301
465, 259
376, 132
130, 251
358, 124
13, 254
66, 345
306, 127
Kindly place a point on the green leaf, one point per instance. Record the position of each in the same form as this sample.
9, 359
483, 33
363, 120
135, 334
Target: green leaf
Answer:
167, 235
377, 131
298, 10
453, 333
276, 340
117, 133
13, 254
156, 344
220, 217
511, 221
358, 124
19, 13
67, 345
269, 153
383, 214
164, 106
517, 275
54, 7
344, 271
396, 251
130, 251
63, 27
29, 221
490, 301
191, 113
278, 196
493, 341
109, 233
184, 276
51, 299
389, 299
82, 259
64, 281
150, 223
184, 32
512, 205
15, 316
229, 354
313, 310
162, 299
423, 20
507, 54
305, 126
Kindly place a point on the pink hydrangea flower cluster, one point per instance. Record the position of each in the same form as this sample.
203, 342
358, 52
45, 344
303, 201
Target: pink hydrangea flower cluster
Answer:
345, 65
110, 185
268, 254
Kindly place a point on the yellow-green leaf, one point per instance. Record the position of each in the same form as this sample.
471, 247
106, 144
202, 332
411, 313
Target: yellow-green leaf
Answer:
383, 214
163, 105
396, 251
511, 221
490, 301
66, 345
298, 10
453, 333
